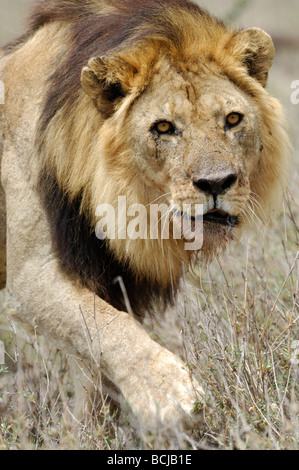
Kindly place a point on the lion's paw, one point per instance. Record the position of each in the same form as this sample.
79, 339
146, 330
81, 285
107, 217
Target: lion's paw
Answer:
163, 396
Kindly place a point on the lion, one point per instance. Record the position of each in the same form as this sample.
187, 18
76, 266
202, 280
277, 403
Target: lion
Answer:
154, 101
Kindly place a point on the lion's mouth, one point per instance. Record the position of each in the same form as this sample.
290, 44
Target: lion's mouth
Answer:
216, 216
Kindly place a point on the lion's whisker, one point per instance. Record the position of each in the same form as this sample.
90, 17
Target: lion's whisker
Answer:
158, 198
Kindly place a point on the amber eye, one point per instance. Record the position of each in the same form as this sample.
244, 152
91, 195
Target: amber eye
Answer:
164, 127
233, 119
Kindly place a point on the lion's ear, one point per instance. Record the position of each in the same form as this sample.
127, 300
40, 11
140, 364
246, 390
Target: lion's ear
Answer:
255, 48
107, 80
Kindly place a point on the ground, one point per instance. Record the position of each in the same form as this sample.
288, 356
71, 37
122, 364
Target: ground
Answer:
236, 324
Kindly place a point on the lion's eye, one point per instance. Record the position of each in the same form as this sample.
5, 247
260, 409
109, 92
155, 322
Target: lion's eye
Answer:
164, 127
233, 119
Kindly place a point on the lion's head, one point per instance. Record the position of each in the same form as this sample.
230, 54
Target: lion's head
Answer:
176, 112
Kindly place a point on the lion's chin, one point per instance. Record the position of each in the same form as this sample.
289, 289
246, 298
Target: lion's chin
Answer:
216, 237
216, 230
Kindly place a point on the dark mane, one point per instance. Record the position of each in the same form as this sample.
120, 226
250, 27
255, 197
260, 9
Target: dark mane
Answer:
84, 257
94, 34
137, 12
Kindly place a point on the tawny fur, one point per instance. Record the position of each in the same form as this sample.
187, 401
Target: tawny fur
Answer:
77, 132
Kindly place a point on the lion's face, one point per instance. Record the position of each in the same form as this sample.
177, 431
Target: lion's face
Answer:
189, 127
195, 139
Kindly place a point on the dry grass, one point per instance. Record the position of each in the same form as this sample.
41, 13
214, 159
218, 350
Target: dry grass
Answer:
247, 352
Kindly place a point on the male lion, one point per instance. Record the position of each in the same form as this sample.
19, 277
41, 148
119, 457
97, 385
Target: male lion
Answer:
154, 101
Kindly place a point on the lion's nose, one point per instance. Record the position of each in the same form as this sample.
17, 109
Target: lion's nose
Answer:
216, 185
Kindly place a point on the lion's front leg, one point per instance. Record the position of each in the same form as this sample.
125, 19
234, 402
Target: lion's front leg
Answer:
153, 382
